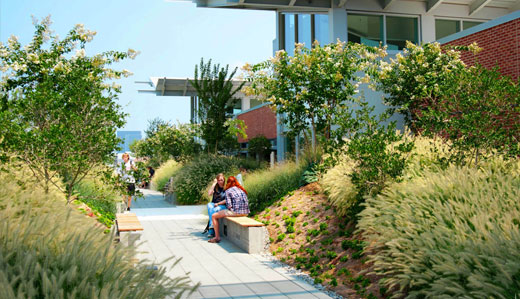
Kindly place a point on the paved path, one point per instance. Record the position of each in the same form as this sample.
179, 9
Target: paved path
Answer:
224, 270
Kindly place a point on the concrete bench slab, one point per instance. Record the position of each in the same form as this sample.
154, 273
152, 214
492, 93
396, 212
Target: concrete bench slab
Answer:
248, 234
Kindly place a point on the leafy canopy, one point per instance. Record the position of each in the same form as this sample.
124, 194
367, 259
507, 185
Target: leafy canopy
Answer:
216, 93
59, 115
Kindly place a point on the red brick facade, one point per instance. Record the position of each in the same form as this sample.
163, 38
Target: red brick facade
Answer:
501, 46
260, 121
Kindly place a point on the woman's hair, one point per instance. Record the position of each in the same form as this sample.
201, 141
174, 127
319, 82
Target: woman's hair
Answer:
125, 154
232, 182
217, 185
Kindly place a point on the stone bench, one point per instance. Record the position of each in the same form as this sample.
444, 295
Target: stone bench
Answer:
127, 228
248, 234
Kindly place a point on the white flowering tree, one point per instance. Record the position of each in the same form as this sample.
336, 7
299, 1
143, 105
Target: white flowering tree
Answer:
476, 109
58, 114
314, 85
419, 78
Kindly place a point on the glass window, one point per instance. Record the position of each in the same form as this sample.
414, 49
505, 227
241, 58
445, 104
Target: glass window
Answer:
365, 29
304, 30
469, 24
254, 103
446, 27
399, 30
290, 37
321, 29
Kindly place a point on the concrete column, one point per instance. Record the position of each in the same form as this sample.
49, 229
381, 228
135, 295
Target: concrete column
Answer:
427, 28
280, 139
338, 24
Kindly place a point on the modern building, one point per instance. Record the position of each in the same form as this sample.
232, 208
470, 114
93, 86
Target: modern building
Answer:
370, 22
127, 137
499, 40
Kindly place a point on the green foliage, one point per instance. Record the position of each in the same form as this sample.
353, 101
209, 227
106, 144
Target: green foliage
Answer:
167, 141
191, 181
373, 163
99, 196
264, 187
259, 146
47, 250
311, 86
163, 174
480, 113
379, 152
449, 233
216, 95
311, 174
59, 116
476, 109
280, 237
418, 78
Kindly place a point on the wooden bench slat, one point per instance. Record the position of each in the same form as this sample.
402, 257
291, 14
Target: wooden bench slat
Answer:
130, 228
245, 221
128, 222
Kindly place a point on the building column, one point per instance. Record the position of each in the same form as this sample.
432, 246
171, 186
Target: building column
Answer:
338, 24
427, 28
280, 139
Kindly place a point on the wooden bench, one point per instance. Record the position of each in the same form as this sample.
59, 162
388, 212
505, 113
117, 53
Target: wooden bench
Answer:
127, 226
246, 233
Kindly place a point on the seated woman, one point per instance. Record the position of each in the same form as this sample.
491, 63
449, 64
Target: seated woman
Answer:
236, 205
218, 193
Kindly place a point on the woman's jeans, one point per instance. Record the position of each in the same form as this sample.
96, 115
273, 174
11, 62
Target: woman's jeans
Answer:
212, 210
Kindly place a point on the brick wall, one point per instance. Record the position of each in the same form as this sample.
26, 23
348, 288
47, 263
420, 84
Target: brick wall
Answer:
259, 121
501, 46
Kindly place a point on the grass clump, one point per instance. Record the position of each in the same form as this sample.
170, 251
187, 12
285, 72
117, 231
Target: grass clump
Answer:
266, 186
449, 233
163, 174
48, 250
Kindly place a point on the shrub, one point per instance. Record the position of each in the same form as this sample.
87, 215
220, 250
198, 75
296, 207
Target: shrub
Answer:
449, 233
191, 181
99, 197
163, 174
266, 186
47, 250
427, 154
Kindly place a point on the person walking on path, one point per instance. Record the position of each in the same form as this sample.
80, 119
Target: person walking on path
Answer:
218, 194
236, 205
126, 173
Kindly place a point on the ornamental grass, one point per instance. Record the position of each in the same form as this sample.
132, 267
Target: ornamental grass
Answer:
449, 233
163, 174
426, 154
48, 250
268, 185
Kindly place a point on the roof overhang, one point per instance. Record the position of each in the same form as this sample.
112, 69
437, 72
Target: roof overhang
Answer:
180, 87
323, 5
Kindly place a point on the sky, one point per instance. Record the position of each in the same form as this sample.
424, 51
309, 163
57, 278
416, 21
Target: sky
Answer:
172, 37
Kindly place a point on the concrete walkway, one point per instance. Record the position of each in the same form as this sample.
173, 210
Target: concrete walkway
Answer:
224, 270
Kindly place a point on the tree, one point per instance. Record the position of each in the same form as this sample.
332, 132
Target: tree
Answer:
418, 78
476, 109
167, 141
259, 146
59, 114
154, 126
312, 86
216, 92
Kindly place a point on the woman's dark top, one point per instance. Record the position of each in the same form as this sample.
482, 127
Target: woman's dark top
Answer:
218, 194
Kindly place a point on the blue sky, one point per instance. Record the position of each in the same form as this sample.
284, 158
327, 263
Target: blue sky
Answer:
171, 36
